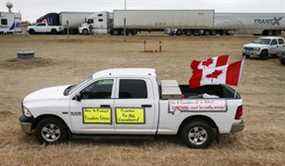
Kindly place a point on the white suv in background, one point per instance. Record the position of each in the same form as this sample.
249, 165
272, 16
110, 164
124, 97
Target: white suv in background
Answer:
263, 47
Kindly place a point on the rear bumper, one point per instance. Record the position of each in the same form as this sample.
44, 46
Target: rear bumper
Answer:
26, 124
237, 127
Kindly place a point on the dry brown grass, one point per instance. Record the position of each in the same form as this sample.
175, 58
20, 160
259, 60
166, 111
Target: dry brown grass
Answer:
73, 59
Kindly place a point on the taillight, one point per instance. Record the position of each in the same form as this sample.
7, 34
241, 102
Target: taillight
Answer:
239, 113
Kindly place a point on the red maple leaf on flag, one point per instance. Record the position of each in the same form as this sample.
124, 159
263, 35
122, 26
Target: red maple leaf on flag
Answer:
215, 74
208, 62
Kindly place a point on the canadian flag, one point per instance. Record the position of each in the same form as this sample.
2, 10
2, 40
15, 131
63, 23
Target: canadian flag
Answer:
214, 71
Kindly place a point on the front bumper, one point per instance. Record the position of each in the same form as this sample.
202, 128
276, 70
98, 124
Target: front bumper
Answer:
252, 53
26, 124
237, 127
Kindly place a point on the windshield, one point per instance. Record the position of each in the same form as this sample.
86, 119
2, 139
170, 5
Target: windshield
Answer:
73, 88
262, 41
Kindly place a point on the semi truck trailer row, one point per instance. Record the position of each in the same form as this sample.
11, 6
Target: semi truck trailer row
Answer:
184, 22
131, 22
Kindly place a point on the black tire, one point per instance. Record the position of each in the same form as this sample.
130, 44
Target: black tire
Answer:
188, 33
85, 32
31, 31
54, 31
45, 131
264, 54
179, 32
206, 131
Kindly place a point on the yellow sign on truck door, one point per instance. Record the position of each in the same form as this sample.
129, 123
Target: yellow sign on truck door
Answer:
97, 116
130, 116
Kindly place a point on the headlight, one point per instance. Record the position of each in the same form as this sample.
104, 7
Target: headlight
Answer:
26, 112
257, 49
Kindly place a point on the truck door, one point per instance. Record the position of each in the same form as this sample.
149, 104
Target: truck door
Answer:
93, 112
273, 47
41, 28
134, 107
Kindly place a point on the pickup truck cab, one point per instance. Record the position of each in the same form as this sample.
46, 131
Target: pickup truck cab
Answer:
264, 47
132, 101
44, 28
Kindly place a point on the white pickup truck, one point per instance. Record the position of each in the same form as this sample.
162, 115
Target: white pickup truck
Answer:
264, 47
44, 28
132, 101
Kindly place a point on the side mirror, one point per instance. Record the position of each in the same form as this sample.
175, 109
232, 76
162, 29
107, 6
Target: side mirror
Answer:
77, 98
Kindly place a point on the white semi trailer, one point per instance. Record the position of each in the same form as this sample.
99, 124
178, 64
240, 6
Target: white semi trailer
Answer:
251, 23
189, 22
181, 21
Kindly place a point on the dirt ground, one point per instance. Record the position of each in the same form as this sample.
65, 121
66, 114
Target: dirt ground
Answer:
66, 60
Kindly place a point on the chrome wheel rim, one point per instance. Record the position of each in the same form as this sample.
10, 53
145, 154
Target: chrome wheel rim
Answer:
197, 135
50, 132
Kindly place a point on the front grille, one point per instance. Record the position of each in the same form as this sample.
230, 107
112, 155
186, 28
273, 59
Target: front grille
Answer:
248, 48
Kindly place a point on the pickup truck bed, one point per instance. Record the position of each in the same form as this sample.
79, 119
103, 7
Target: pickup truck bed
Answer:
221, 91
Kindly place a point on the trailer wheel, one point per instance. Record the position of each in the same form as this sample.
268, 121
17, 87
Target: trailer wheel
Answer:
188, 33
207, 33
179, 32
198, 134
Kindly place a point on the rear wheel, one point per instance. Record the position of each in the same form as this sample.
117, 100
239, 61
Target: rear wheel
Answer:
51, 131
198, 134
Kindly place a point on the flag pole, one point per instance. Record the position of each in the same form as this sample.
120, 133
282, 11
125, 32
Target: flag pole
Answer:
240, 75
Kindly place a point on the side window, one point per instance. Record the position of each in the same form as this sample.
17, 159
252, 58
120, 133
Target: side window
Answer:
40, 25
4, 22
280, 41
101, 89
100, 15
274, 42
100, 20
132, 89
90, 21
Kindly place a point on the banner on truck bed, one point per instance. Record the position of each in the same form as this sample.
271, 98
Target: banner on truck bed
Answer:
97, 116
130, 116
204, 105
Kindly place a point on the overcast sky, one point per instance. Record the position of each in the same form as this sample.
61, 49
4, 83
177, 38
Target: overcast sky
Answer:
33, 9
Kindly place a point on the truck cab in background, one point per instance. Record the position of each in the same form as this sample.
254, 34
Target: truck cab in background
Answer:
97, 23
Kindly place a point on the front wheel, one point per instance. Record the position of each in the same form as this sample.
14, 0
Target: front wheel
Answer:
51, 131
31, 31
264, 54
198, 134
85, 32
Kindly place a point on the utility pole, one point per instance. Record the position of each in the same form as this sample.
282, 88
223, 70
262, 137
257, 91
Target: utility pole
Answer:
125, 21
